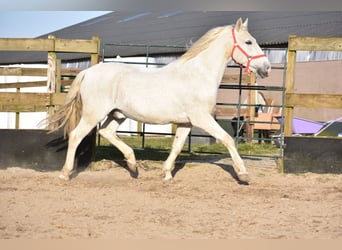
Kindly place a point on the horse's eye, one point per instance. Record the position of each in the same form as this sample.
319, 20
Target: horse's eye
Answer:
249, 42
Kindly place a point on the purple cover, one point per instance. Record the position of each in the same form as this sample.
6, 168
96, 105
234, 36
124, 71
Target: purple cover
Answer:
303, 126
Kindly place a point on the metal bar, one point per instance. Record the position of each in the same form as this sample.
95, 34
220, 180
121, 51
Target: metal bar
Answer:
247, 105
251, 87
139, 63
144, 45
238, 128
281, 147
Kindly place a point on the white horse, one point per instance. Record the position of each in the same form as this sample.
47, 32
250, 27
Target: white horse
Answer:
183, 92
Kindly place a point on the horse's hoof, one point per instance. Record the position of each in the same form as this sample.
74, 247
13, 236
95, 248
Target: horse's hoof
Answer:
243, 178
64, 177
134, 172
168, 176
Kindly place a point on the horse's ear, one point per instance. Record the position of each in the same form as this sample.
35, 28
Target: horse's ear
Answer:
245, 24
238, 24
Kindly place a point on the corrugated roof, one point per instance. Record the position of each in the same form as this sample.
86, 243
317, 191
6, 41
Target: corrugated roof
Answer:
180, 28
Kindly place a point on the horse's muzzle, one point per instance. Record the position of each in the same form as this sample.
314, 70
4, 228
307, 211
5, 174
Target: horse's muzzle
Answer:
264, 71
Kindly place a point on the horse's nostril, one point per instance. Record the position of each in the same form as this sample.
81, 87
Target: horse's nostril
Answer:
268, 68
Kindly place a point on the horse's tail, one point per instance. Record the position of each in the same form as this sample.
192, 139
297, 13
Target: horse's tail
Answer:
68, 115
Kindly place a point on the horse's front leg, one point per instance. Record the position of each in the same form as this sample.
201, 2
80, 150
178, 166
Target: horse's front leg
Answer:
177, 145
208, 124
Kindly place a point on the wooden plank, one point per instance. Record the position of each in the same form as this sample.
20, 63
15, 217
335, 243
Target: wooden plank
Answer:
251, 100
23, 84
11, 98
313, 100
95, 56
22, 108
18, 71
26, 44
76, 46
51, 72
290, 76
58, 98
51, 44
228, 78
315, 43
70, 71
29, 102
15, 71
58, 75
224, 112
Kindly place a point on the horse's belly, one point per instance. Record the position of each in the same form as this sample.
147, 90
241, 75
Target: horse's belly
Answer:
156, 115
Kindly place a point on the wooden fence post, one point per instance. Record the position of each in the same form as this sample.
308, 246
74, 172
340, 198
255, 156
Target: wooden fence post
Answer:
95, 57
51, 72
290, 78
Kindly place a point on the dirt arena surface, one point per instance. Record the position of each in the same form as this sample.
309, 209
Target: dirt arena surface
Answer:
203, 201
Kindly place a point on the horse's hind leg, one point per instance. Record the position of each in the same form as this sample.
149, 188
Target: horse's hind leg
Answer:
181, 134
75, 138
108, 131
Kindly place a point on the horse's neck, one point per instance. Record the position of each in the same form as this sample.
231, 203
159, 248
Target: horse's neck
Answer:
213, 61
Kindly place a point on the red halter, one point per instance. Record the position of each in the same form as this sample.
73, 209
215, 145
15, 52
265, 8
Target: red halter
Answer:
249, 58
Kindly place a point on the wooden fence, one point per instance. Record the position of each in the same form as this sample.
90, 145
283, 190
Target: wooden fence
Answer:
309, 153
307, 100
40, 102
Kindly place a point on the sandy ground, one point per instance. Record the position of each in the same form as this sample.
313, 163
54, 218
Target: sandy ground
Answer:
203, 201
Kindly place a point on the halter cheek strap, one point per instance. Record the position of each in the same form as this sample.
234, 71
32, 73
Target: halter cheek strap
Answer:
249, 58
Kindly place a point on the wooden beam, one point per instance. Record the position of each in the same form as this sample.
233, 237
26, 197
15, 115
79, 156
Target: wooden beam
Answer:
95, 56
290, 76
12, 98
228, 78
58, 75
52, 65
315, 43
26, 44
76, 46
29, 102
22, 84
56, 45
44, 99
58, 98
18, 71
70, 71
313, 100
22, 108
224, 112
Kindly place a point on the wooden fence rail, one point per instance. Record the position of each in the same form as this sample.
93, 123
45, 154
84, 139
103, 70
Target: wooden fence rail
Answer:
41, 102
50, 44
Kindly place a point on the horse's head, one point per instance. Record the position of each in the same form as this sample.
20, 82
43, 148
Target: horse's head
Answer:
247, 52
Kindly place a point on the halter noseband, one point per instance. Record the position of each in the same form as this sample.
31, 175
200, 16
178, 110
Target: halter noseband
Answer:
249, 58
